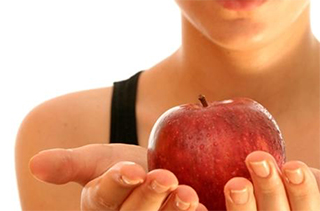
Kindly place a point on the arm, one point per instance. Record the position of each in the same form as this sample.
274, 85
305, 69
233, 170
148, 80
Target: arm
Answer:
36, 134
67, 121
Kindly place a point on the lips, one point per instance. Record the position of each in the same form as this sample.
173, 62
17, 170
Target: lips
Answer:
241, 4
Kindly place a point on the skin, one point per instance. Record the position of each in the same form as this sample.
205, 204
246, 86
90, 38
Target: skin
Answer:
262, 56
213, 61
101, 175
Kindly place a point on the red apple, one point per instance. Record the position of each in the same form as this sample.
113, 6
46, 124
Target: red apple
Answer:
205, 145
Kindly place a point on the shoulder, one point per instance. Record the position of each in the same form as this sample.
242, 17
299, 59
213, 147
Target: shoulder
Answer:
70, 120
67, 121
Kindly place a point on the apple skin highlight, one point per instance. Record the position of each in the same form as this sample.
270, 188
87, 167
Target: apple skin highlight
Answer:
206, 146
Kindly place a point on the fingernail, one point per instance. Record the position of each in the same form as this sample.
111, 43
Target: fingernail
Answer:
181, 204
239, 196
128, 181
124, 179
260, 168
158, 188
294, 176
128, 163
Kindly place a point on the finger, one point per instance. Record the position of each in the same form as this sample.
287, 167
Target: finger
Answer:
82, 164
316, 173
153, 192
108, 191
201, 207
183, 198
267, 181
239, 195
301, 186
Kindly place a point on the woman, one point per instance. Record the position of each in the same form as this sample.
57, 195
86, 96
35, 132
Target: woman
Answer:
263, 50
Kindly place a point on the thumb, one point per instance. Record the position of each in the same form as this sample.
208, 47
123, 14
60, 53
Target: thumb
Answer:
83, 164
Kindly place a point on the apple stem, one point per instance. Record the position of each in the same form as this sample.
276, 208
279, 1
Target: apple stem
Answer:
203, 100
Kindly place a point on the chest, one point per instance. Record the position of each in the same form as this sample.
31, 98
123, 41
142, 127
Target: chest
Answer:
302, 140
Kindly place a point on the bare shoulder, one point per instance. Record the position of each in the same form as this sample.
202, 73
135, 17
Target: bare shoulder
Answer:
72, 119
68, 121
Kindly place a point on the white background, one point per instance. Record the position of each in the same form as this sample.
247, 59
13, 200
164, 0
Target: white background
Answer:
50, 48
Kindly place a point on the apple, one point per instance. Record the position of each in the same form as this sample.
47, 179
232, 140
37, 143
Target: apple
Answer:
205, 144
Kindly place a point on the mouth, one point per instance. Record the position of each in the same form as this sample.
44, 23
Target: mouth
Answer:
241, 5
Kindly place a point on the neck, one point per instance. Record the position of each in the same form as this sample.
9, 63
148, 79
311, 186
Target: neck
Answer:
265, 72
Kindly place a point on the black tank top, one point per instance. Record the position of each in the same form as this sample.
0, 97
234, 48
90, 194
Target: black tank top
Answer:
123, 127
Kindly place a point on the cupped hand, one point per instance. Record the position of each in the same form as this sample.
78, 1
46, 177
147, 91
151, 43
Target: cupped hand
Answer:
115, 177
293, 188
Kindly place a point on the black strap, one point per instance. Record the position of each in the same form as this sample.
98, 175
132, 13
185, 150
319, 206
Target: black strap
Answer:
123, 111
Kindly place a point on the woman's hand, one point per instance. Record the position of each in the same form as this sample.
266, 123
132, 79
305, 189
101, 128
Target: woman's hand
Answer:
111, 182
294, 188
